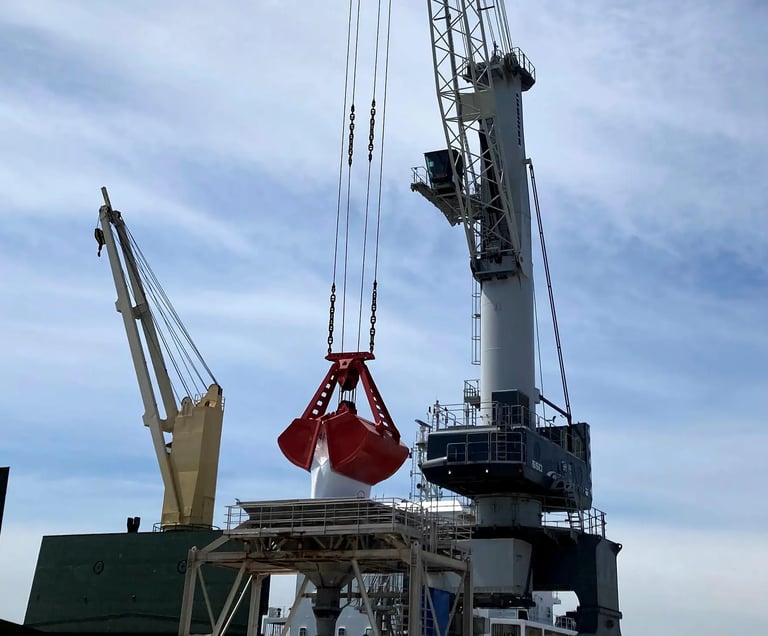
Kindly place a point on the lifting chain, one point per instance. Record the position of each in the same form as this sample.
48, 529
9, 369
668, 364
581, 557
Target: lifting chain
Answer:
370, 132
332, 311
351, 133
373, 316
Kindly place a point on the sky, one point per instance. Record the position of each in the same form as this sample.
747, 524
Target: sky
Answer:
216, 127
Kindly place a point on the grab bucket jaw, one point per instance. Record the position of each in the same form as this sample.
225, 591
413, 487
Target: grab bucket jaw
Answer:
298, 441
358, 451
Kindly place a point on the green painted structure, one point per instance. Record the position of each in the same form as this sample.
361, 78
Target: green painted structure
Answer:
128, 583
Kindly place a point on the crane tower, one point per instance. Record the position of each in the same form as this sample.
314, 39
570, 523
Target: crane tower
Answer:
517, 467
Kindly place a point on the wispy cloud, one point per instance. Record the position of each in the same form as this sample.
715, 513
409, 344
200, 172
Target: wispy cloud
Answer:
217, 130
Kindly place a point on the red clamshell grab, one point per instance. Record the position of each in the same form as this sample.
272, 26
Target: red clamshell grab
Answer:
357, 448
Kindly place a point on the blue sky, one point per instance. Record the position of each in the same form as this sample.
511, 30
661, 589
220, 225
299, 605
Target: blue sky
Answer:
215, 127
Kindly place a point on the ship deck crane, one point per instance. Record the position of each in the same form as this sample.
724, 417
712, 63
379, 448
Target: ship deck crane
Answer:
514, 466
187, 438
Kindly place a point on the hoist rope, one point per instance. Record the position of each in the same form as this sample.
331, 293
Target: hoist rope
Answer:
374, 290
347, 144
504, 24
371, 137
182, 355
135, 269
168, 334
153, 280
332, 299
341, 144
152, 296
502, 41
169, 315
493, 34
349, 177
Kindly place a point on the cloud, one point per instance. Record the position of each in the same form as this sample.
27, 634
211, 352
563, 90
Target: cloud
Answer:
217, 131
677, 573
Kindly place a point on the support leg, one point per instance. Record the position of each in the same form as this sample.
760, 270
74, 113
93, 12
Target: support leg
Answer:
188, 600
254, 606
414, 591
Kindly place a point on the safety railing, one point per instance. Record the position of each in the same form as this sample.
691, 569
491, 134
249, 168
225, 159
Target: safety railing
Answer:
590, 521
347, 516
476, 413
437, 523
419, 175
298, 515
521, 59
497, 447
472, 391
171, 527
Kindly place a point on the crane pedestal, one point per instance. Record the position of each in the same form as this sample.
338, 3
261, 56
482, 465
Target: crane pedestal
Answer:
565, 560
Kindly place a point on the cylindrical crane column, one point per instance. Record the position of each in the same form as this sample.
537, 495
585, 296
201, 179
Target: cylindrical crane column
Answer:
506, 309
507, 353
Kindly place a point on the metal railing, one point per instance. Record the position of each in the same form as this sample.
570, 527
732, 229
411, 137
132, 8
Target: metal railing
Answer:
171, 527
445, 522
521, 59
472, 392
419, 175
590, 521
347, 516
301, 514
484, 414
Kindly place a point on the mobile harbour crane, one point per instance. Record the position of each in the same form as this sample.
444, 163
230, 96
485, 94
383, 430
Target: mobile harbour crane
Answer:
515, 467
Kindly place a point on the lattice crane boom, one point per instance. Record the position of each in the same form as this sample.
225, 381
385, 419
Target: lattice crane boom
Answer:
481, 182
465, 87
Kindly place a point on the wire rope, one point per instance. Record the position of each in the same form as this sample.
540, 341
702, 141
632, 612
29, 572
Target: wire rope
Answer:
168, 314
133, 267
150, 294
538, 350
371, 136
374, 291
171, 309
332, 299
349, 177
181, 351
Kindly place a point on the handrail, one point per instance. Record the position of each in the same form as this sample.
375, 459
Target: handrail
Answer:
456, 523
450, 415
